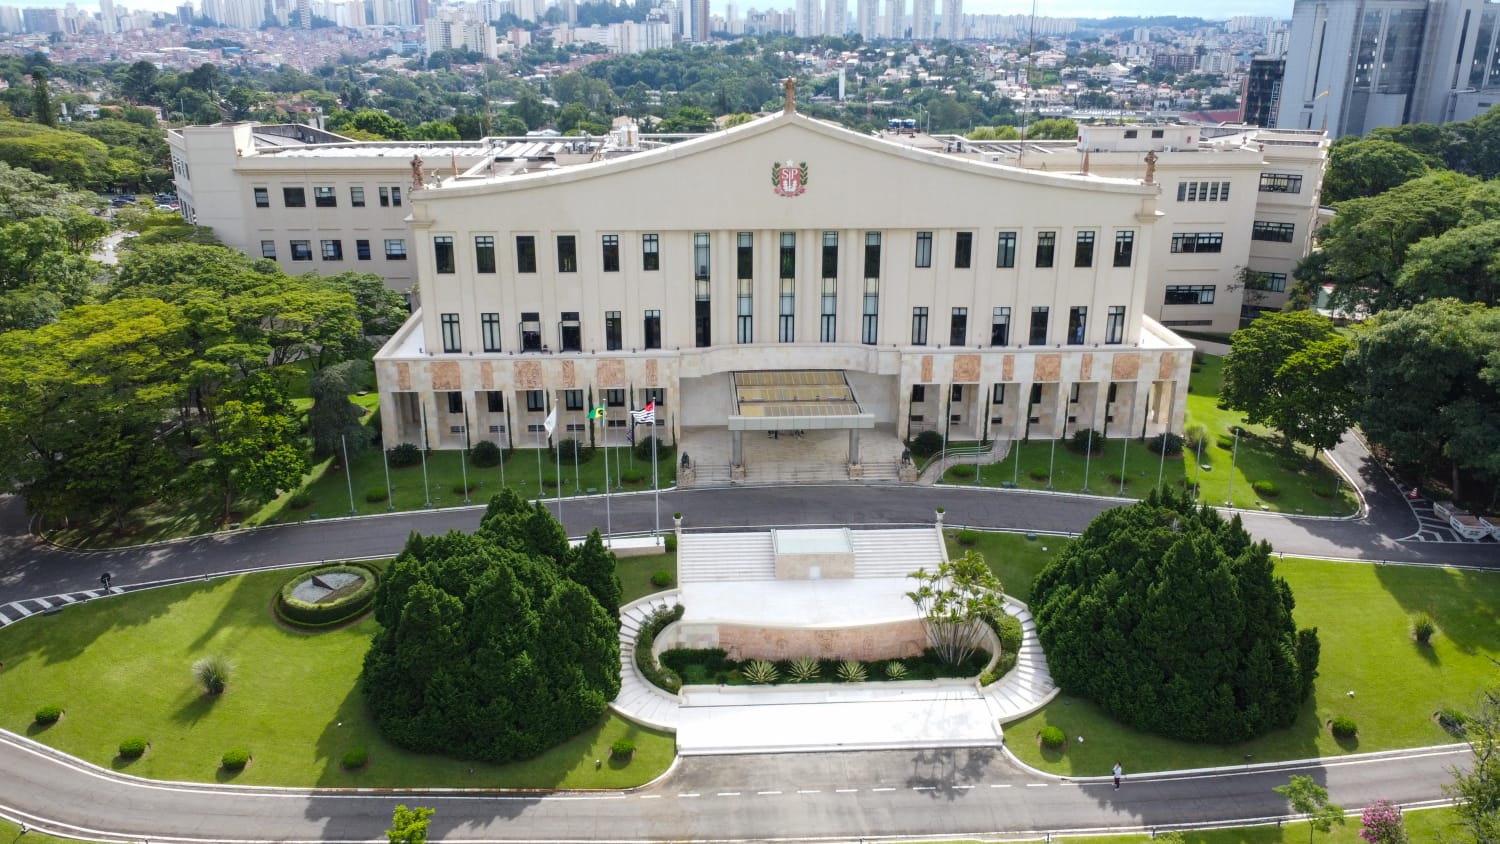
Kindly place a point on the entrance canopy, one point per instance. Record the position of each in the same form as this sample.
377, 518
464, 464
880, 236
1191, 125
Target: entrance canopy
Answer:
795, 399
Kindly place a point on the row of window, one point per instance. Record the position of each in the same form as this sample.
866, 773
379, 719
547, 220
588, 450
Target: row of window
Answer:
333, 250
572, 400
1195, 191
997, 394
570, 328
1214, 241
445, 258
327, 197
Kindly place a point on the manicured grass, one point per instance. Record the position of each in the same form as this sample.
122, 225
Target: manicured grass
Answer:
1303, 486
1363, 615
9, 833
1013, 558
635, 575
1421, 825
120, 667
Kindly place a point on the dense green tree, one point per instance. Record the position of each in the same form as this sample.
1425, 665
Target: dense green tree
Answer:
377, 123
1286, 370
1461, 263
531, 110
250, 444
43, 110
592, 566
435, 130
1475, 786
689, 119
41, 271
1172, 621
485, 651
67, 157
409, 826
1311, 800
380, 310
1053, 128
334, 420
1360, 168
138, 84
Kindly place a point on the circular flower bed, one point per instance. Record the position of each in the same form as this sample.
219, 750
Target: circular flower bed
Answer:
328, 595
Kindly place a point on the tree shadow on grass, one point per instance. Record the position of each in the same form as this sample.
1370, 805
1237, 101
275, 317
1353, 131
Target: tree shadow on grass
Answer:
64, 636
1465, 604
1427, 652
195, 709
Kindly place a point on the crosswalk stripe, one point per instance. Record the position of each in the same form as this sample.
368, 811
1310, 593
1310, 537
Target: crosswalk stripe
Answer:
67, 599
46, 604
21, 609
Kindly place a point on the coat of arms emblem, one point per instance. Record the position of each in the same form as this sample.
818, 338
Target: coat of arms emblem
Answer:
789, 179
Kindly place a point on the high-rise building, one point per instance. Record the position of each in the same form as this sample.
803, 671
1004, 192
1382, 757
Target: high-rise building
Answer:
108, 21
1261, 96
922, 20
895, 19
1388, 62
866, 18
952, 27
809, 18
835, 17
700, 20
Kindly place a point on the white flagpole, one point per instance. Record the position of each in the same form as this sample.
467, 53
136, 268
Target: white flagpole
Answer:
609, 530
541, 493
656, 487
348, 473
558, 452
426, 487
390, 494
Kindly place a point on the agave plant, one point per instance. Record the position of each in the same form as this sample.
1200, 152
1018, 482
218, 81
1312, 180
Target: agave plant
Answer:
895, 670
804, 669
852, 671
213, 673
760, 671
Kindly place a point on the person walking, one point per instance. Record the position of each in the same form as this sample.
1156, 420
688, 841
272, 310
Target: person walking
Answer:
1119, 772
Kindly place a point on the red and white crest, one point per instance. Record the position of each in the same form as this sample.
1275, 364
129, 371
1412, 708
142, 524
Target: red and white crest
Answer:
789, 179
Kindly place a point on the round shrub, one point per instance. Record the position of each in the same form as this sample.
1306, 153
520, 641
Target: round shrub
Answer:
1344, 727
132, 748
300, 500
661, 579
1170, 441
465, 489
962, 470
1037, 474
967, 538
1087, 439
376, 494
403, 455
631, 477
1265, 489
485, 454
642, 448
1422, 628
48, 714
1053, 737
622, 748
926, 444
235, 760
341, 605
355, 758
585, 454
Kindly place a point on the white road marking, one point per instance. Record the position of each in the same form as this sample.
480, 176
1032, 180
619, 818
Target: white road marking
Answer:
999, 785
921, 788
689, 794
962, 787
650, 796
67, 599
20, 609
809, 791
888, 788
46, 604
767, 792
1036, 785
728, 794
845, 790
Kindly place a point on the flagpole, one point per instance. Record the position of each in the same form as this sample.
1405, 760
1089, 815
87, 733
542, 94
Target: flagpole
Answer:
540, 492
390, 494
609, 530
655, 487
502, 458
558, 452
426, 487
577, 487
348, 475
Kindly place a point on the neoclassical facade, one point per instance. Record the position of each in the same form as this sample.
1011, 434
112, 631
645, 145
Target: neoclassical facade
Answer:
784, 275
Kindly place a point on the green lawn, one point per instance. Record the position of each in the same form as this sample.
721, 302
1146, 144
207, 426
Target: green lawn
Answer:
635, 575
1421, 825
1015, 559
1362, 613
120, 668
1303, 486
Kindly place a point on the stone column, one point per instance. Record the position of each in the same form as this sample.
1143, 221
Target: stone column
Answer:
390, 420
1100, 405
1019, 407
853, 446
1060, 410
1140, 423
429, 401
736, 446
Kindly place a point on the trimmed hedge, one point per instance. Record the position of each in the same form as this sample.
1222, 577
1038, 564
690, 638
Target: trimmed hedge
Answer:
1344, 727
663, 678
926, 444
485, 454
355, 758
304, 614
661, 578
622, 748
132, 748
376, 494
48, 714
235, 760
669, 542
403, 455
1053, 737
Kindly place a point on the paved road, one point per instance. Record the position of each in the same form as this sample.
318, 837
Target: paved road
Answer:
803, 796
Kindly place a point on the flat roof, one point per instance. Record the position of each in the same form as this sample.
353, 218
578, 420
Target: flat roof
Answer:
794, 397
812, 541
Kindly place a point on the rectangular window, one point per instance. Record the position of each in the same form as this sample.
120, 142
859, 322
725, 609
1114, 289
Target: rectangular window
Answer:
963, 250
744, 309
531, 331
357, 197
570, 332
450, 333
1131, 133
958, 327
455, 402
484, 253
652, 329
395, 249
268, 249
325, 197
830, 254
1005, 252
1124, 248
1039, 325
1182, 191
1193, 191
262, 198
703, 336
494, 401
396, 197
536, 401
1189, 294
1114, 325
918, 393
919, 326
744, 255
294, 197
786, 322
701, 260
1078, 318
1198, 242
924, 249
1083, 250
828, 314
362, 250
870, 327
956, 393
614, 397
1274, 232
872, 254
650, 252
489, 330
1270, 282
997, 395
1000, 327
333, 250
1073, 392
385, 197
787, 257
573, 399
301, 250
567, 253
525, 253
657, 396
613, 341
610, 249
1046, 247
1280, 183
442, 253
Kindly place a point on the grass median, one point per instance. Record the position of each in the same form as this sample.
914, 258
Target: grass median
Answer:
120, 668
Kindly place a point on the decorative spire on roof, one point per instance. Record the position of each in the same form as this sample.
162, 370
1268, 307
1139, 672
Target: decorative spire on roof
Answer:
791, 94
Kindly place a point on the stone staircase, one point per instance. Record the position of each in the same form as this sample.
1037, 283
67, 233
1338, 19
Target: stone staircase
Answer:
896, 553
1028, 687
726, 556
639, 700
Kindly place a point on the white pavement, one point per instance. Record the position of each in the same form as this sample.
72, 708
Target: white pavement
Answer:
822, 717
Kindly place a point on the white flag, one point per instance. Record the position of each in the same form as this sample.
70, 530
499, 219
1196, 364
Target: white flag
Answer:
646, 415
551, 423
